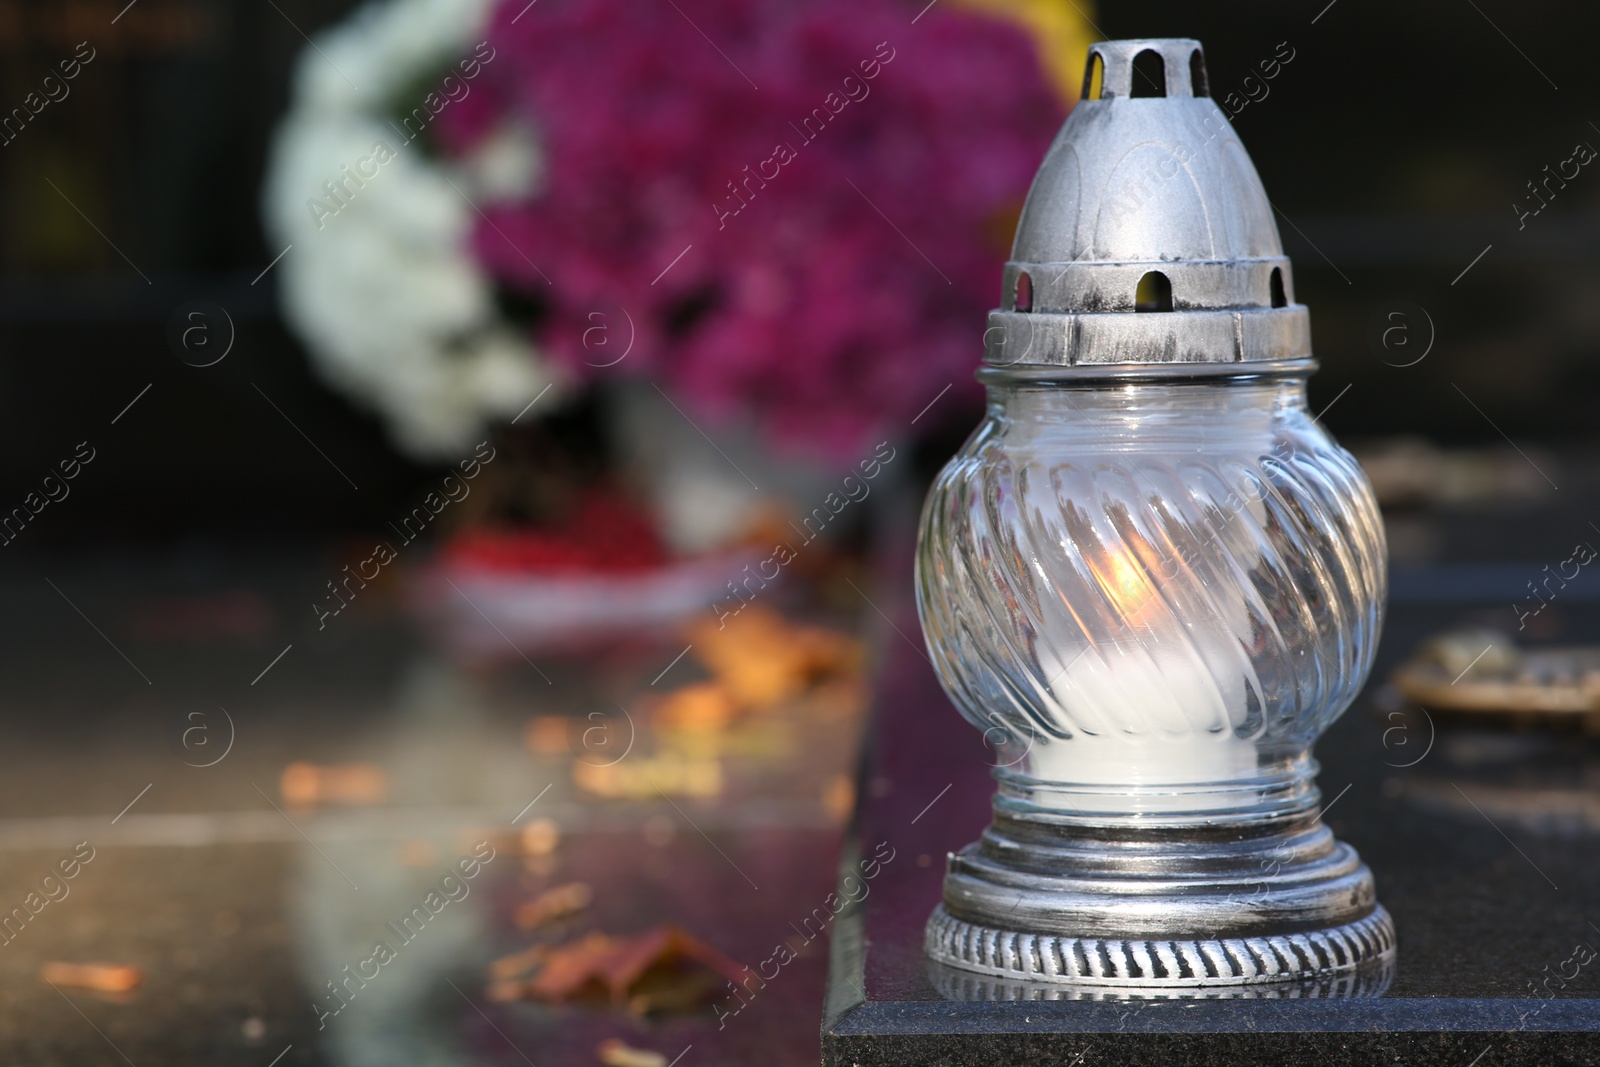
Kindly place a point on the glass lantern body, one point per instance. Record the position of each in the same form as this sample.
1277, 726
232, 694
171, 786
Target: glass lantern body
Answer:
1151, 595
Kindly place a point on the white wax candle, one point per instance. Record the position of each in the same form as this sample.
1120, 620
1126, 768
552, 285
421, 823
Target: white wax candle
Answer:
1154, 705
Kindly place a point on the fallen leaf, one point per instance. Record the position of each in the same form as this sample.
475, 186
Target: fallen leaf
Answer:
547, 735
518, 963
639, 778
556, 903
614, 1053
622, 968
307, 785
683, 994
540, 837
762, 658
504, 992
100, 977
703, 723
839, 797
704, 706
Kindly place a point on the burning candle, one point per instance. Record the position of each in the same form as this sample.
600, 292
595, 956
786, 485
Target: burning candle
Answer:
1150, 576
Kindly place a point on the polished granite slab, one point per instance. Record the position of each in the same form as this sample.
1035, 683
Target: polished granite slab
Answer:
238, 909
1483, 842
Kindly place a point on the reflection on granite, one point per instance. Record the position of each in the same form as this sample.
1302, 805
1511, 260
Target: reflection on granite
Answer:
1538, 781
439, 737
240, 915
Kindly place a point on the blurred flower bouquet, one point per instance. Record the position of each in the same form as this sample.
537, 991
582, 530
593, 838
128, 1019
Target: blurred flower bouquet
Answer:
792, 211
786, 217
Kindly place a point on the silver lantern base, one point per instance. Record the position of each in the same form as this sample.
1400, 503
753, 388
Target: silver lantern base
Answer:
1149, 964
1071, 900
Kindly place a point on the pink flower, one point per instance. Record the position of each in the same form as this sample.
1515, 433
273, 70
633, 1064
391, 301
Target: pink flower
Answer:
798, 204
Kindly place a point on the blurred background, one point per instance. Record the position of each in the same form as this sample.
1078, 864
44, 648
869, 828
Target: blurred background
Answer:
1396, 145
404, 396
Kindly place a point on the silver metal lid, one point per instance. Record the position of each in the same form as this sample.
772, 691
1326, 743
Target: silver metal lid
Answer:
1147, 237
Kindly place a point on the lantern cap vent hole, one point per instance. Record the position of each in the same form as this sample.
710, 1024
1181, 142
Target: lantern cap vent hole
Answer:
1024, 292
1154, 293
1149, 74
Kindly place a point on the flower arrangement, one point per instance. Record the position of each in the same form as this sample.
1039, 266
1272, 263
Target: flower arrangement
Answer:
378, 276
794, 211
789, 211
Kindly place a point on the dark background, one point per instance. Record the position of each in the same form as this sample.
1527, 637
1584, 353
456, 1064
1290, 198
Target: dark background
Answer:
1394, 145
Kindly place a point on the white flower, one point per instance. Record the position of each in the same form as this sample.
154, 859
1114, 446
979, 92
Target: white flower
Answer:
379, 280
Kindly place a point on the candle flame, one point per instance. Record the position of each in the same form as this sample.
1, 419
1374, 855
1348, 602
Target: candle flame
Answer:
1127, 586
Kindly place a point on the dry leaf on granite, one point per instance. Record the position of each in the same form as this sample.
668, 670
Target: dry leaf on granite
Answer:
704, 706
100, 977
762, 658
307, 785
518, 964
615, 1053
638, 778
540, 837
839, 797
625, 969
547, 735
556, 903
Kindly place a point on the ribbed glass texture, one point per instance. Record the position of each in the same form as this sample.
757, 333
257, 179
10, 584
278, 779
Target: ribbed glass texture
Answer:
1151, 596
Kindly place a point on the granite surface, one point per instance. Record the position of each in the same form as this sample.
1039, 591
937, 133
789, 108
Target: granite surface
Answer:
238, 912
